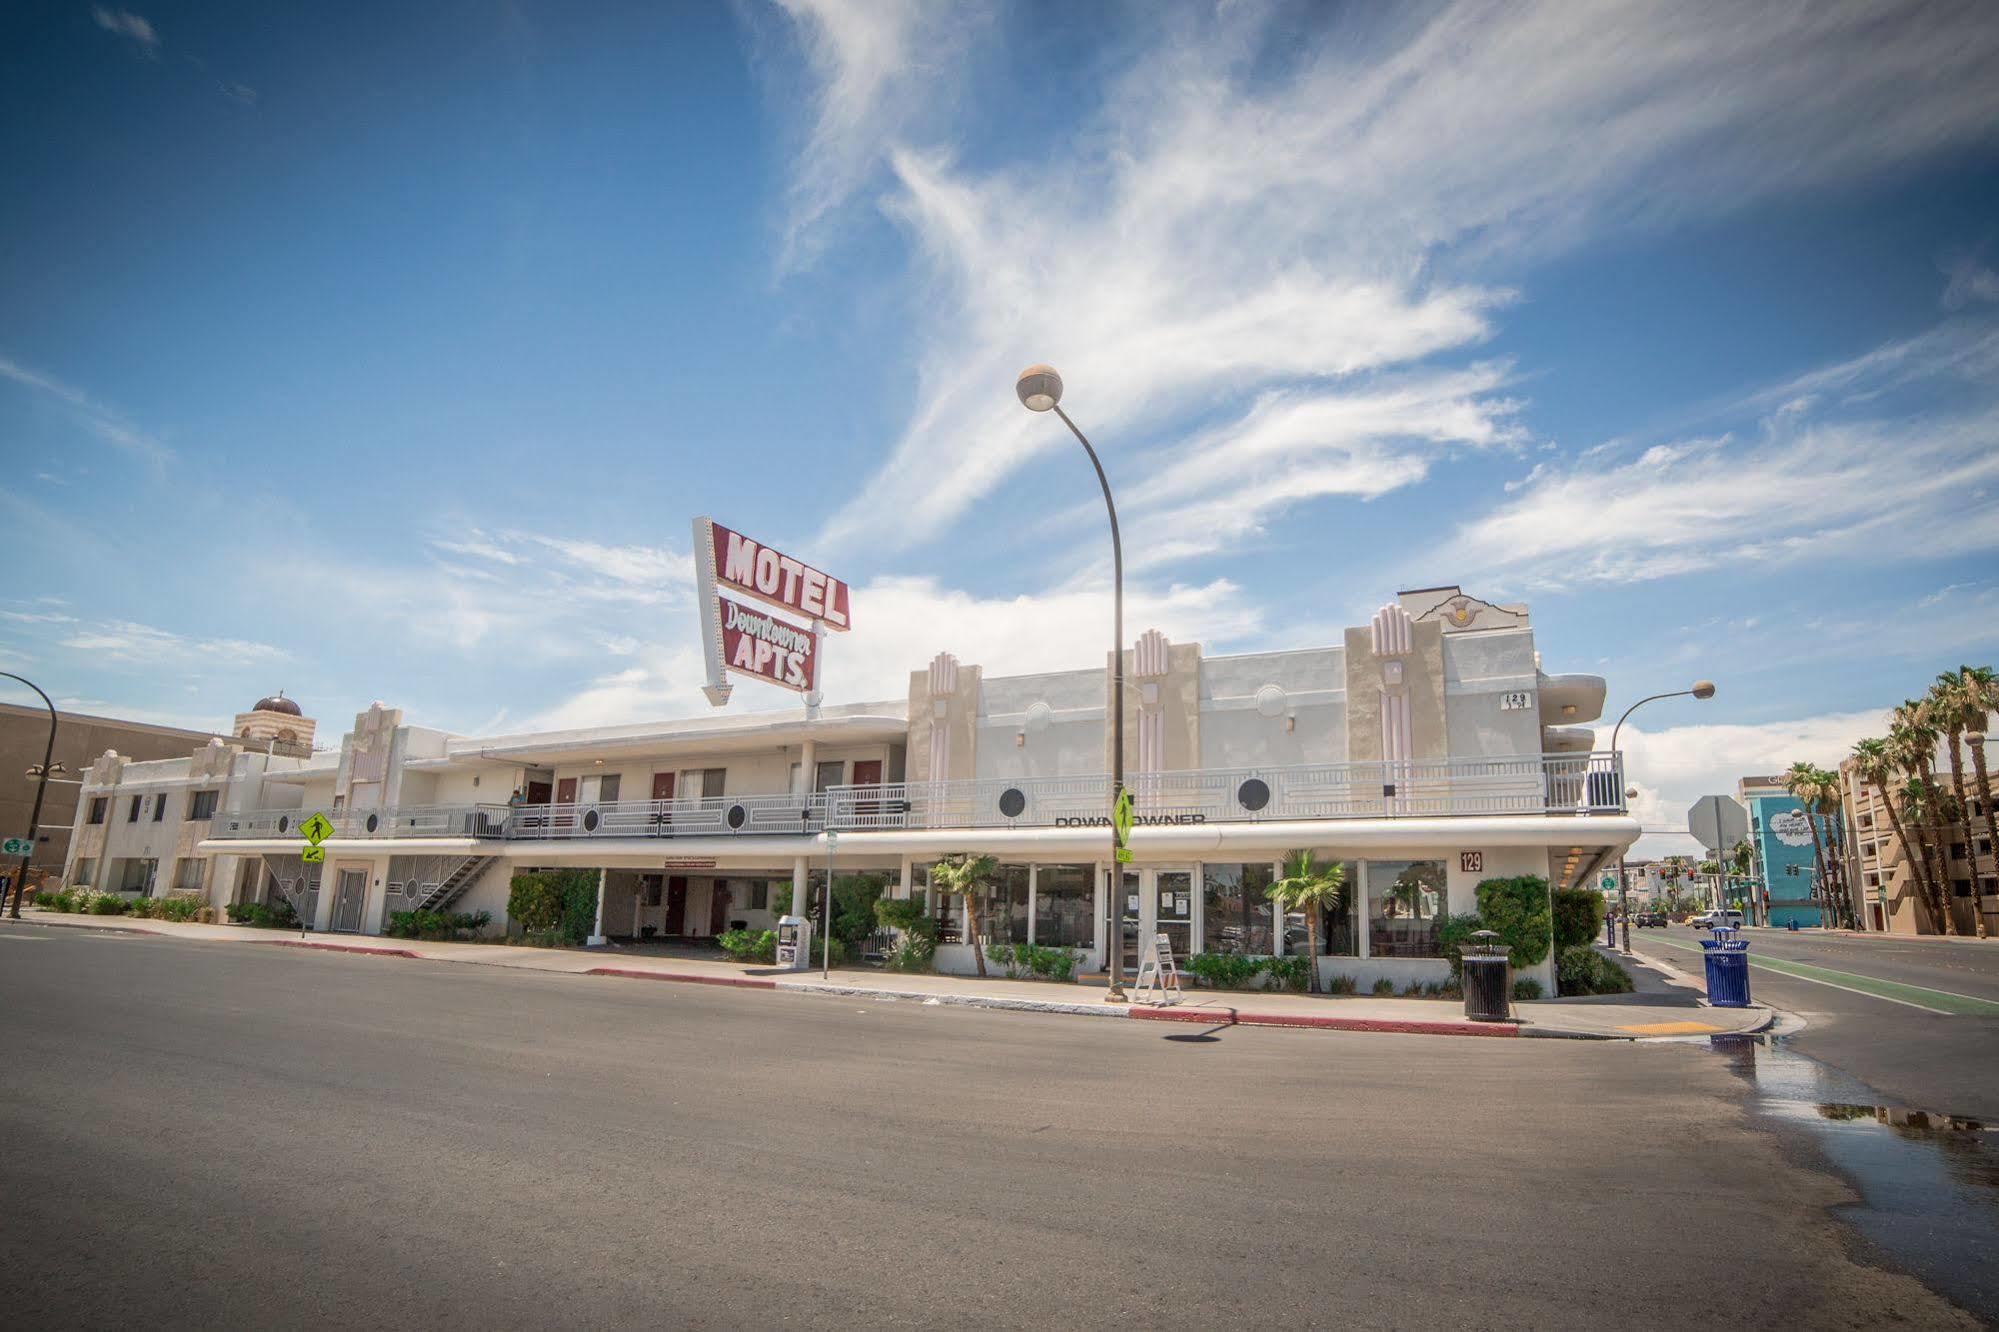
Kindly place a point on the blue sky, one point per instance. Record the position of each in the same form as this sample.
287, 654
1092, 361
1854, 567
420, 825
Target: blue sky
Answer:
386, 351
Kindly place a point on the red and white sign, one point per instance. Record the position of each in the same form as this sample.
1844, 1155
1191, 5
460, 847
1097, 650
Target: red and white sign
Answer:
778, 579
735, 637
759, 644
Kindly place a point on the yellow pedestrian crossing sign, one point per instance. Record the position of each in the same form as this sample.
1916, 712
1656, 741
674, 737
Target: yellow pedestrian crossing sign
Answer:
1121, 827
316, 829
313, 855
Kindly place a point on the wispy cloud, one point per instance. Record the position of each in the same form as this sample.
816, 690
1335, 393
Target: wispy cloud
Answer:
128, 25
126, 640
102, 421
1829, 470
1250, 212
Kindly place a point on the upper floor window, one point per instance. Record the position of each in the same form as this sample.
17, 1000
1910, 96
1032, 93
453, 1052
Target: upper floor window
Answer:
99, 806
203, 805
132, 814
159, 807
831, 774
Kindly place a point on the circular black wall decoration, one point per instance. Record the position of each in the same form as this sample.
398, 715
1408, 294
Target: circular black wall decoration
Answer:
1012, 801
1253, 794
374, 822
737, 817
590, 820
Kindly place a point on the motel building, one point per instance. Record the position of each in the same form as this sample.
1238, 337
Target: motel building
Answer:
1427, 750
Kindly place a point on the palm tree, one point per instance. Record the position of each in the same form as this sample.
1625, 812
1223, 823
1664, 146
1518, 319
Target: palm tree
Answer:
1912, 740
1876, 764
1955, 709
1982, 687
1806, 785
1312, 887
965, 875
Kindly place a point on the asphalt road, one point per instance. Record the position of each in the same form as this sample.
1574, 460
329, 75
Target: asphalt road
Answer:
1870, 1008
236, 1134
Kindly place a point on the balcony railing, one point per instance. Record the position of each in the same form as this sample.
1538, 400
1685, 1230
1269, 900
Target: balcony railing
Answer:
1536, 784
1440, 788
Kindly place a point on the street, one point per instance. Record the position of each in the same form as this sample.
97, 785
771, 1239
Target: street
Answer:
1916, 1019
202, 1133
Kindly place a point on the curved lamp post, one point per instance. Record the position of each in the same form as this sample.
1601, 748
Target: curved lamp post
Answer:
1703, 689
41, 776
1040, 390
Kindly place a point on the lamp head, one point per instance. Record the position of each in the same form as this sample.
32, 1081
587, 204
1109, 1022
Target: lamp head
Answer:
1039, 387
1703, 689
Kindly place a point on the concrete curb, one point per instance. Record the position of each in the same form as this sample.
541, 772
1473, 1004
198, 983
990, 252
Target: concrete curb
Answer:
958, 1000
101, 929
343, 948
634, 973
1232, 1017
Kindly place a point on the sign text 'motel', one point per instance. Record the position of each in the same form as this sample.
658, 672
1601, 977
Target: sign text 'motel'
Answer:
749, 642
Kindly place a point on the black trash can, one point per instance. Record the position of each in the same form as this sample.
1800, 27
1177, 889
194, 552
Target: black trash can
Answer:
1488, 978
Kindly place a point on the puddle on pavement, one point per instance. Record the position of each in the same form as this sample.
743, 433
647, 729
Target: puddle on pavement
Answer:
1929, 1181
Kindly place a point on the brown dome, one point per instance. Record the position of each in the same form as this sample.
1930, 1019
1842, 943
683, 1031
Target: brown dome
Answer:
278, 703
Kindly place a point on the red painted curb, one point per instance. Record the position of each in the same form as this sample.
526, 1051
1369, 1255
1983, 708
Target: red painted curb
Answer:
1233, 1017
343, 948
739, 982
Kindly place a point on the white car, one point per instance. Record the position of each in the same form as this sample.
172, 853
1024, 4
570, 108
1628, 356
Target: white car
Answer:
1708, 920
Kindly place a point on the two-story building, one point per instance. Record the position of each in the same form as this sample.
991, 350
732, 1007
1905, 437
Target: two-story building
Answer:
1425, 752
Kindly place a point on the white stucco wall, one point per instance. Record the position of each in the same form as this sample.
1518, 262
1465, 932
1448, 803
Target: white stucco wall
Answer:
1234, 734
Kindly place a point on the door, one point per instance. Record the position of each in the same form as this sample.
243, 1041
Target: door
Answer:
662, 786
351, 897
676, 906
1123, 904
562, 817
1173, 909
867, 772
662, 804
718, 908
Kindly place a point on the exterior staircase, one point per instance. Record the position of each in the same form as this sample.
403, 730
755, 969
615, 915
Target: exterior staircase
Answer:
441, 894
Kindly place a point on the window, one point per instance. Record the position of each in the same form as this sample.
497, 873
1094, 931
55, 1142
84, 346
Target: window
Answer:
760, 895
702, 783
830, 774
132, 814
99, 805
1336, 928
600, 788
137, 876
187, 874
1236, 910
1064, 902
1405, 898
1003, 907
203, 805
86, 869
159, 807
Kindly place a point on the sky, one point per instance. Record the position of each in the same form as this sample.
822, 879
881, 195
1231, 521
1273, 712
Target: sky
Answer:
386, 352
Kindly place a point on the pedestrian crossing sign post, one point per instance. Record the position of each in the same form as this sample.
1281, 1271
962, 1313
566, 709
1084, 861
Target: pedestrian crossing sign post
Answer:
315, 830
1121, 827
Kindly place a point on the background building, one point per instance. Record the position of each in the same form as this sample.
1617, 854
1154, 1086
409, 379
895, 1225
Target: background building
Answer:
1783, 860
80, 739
1883, 866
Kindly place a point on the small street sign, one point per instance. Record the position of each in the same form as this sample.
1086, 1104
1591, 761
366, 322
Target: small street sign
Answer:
17, 846
1607, 882
316, 829
1121, 827
313, 855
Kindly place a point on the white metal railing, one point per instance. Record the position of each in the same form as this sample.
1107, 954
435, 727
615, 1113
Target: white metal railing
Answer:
1533, 784
1430, 788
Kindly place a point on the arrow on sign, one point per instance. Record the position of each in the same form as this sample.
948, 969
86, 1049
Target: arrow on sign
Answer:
316, 829
17, 846
313, 855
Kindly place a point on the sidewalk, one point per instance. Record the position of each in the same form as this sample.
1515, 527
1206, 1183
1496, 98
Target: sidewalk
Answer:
1663, 1007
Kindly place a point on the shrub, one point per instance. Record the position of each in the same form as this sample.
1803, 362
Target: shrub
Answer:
180, 907
819, 947
1453, 932
1526, 987
901, 914
1517, 910
1383, 986
854, 915
749, 945
913, 950
1288, 972
107, 904
279, 915
47, 900
1583, 970
1343, 985
1415, 989
1226, 971
1578, 917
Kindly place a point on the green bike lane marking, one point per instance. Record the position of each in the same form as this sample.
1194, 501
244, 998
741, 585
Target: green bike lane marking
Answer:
1915, 996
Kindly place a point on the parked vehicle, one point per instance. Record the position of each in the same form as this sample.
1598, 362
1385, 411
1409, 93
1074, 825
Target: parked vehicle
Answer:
1653, 919
1707, 920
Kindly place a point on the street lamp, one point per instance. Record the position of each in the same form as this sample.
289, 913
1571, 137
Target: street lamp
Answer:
1040, 390
1702, 689
41, 776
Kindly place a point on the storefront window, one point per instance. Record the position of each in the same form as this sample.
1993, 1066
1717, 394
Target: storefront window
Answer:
1405, 899
1003, 908
1336, 932
1235, 909
1064, 899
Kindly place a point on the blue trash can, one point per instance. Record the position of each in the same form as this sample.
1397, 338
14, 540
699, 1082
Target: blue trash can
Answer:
1727, 961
